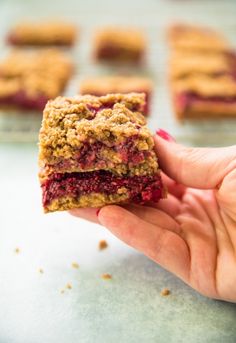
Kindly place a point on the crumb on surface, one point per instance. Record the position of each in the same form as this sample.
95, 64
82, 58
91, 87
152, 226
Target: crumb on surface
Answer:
62, 291
165, 292
75, 265
102, 244
41, 271
106, 276
17, 250
69, 286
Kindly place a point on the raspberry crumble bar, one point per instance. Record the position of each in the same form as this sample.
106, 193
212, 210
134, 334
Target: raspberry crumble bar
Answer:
190, 37
118, 84
96, 151
44, 33
204, 97
119, 45
186, 63
29, 79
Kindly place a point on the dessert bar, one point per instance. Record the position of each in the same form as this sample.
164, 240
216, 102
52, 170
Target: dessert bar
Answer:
118, 84
204, 97
119, 45
29, 79
96, 151
190, 37
44, 33
186, 63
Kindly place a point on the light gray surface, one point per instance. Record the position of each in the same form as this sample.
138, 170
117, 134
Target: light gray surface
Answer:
128, 308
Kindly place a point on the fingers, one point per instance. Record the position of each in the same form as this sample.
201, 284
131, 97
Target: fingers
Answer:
89, 214
195, 167
163, 246
154, 216
173, 187
171, 205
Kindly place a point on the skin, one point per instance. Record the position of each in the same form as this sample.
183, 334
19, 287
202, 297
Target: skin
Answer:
192, 233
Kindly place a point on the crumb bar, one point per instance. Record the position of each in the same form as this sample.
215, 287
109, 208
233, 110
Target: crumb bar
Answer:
186, 63
190, 37
119, 45
29, 79
95, 151
118, 84
41, 34
204, 97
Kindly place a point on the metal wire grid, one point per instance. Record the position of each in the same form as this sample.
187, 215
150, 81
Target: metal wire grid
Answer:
15, 127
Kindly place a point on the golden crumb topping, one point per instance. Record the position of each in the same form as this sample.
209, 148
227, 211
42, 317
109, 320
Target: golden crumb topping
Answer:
69, 122
222, 86
184, 63
43, 33
44, 72
184, 36
115, 84
130, 38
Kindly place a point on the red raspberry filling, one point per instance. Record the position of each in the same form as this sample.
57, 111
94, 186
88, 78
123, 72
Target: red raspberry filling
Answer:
21, 100
186, 100
88, 156
111, 51
140, 188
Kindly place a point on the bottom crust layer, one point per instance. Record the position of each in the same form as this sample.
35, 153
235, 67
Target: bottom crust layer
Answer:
99, 188
86, 200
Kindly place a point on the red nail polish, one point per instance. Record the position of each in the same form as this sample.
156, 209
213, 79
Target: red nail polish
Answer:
97, 212
165, 135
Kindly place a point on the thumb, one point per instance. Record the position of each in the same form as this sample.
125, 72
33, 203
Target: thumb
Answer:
195, 167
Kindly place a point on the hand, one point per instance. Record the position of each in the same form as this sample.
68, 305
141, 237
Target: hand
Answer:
192, 233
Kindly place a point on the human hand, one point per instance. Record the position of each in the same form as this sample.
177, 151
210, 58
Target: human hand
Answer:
192, 233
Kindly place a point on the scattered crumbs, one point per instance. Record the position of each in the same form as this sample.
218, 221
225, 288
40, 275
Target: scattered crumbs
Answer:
106, 276
165, 292
102, 244
75, 265
41, 271
68, 286
17, 250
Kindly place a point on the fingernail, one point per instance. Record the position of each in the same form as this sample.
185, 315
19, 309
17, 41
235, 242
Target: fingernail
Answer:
97, 212
165, 135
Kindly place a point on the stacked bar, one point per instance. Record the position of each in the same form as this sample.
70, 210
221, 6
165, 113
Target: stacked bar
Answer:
118, 84
55, 33
28, 79
189, 37
202, 73
119, 45
96, 151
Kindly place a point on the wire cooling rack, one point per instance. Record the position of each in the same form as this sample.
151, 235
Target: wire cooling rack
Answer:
152, 16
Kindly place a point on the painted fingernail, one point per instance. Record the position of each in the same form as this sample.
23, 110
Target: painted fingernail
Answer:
165, 135
97, 212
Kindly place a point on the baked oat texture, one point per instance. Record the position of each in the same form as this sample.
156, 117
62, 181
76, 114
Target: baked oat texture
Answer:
43, 33
223, 86
207, 88
186, 36
115, 84
42, 72
67, 125
183, 64
70, 122
123, 39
